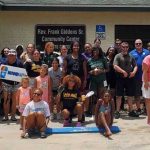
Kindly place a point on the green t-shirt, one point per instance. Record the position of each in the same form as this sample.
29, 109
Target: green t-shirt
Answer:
100, 63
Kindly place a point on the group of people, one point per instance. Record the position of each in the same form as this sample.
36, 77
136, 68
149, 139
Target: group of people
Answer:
56, 84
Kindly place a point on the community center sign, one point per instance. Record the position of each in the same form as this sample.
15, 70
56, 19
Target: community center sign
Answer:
59, 35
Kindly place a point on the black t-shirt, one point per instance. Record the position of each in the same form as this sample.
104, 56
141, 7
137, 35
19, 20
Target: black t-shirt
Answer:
75, 66
69, 98
33, 68
18, 64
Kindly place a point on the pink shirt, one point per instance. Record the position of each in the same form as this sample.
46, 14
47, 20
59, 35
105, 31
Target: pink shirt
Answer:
24, 96
43, 84
147, 62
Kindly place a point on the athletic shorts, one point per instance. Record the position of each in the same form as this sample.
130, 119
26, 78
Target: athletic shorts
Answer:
146, 93
125, 85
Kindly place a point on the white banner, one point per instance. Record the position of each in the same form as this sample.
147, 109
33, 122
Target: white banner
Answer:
12, 73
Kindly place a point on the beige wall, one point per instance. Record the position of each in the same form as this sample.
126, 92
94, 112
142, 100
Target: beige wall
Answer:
18, 27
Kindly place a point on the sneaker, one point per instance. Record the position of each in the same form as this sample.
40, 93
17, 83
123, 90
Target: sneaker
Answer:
13, 118
5, 118
117, 115
139, 111
66, 123
43, 135
133, 114
78, 124
92, 118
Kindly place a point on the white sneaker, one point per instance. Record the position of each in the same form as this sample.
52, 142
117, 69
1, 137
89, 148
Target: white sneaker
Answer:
92, 118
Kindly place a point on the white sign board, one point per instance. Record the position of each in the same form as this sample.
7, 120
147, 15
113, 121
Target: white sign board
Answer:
100, 32
12, 73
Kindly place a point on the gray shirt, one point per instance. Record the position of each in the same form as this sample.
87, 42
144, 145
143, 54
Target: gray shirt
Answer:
56, 77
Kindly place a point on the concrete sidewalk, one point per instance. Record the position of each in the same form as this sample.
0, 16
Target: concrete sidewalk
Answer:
134, 135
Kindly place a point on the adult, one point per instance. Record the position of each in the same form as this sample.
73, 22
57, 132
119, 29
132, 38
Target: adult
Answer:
118, 45
146, 84
139, 53
27, 55
19, 50
49, 54
36, 115
126, 68
74, 63
63, 54
4, 53
10, 87
33, 66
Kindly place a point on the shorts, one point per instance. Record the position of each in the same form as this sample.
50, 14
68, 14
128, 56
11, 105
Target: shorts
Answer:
125, 85
9, 88
96, 86
138, 88
146, 93
21, 108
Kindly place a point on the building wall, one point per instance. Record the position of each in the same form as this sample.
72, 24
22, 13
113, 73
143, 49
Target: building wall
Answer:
19, 27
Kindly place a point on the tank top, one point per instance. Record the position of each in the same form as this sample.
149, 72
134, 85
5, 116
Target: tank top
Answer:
24, 96
43, 84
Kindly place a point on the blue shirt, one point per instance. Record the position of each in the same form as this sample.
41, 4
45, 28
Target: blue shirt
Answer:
139, 59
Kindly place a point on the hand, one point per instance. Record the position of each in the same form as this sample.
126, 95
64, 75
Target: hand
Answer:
28, 60
132, 74
125, 74
146, 85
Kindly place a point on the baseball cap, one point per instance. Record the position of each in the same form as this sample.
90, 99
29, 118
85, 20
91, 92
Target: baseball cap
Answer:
12, 52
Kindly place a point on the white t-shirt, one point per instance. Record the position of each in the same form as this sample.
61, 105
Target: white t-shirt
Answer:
40, 106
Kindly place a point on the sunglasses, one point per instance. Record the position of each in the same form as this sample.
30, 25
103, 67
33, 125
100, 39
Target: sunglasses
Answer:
138, 43
38, 94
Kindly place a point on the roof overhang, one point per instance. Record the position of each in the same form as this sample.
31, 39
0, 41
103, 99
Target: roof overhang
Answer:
39, 7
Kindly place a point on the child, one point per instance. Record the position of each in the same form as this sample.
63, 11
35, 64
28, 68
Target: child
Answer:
70, 99
104, 112
43, 81
55, 73
23, 96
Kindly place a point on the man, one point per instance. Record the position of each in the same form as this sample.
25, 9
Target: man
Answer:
36, 114
10, 87
139, 53
125, 67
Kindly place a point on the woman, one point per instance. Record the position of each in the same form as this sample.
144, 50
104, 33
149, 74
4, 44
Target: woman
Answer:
146, 84
4, 53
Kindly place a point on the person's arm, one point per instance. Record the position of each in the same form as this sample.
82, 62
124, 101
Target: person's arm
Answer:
17, 98
132, 74
85, 73
145, 78
49, 88
98, 104
112, 110
64, 67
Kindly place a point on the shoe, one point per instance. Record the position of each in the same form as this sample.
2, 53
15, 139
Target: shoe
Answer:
43, 135
133, 114
66, 123
140, 111
13, 118
30, 132
92, 118
78, 124
5, 118
88, 114
83, 118
117, 115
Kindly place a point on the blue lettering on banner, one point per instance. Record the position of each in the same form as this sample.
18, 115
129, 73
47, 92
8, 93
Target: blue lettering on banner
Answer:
15, 73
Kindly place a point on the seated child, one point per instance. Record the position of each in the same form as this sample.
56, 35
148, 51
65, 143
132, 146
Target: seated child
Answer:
70, 99
104, 112
36, 114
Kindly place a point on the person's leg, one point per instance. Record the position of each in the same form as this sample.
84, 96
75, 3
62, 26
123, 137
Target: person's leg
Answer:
21, 121
6, 105
147, 102
130, 103
79, 111
103, 120
40, 121
66, 115
31, 121
13, 107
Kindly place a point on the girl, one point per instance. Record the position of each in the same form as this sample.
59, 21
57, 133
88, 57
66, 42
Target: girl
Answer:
43, 81
104, 112
55, 73
23, 96
70, 98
